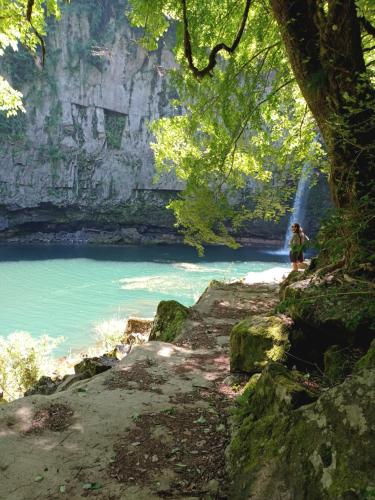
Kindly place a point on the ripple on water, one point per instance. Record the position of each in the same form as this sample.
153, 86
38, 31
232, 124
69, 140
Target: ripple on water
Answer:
66, 295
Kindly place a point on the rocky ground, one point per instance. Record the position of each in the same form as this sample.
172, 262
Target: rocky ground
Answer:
154, 426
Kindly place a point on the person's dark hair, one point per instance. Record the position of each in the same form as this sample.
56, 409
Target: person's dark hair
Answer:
297, 226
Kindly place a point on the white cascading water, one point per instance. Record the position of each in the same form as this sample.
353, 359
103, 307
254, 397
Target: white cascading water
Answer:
299, 205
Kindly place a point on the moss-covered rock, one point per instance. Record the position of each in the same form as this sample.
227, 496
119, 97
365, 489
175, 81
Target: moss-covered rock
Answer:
277, 390
330, 309
334, 310
337, 363
256, 341
368, 360
292, 277
170, 316
92, 366
45, 385
323, 450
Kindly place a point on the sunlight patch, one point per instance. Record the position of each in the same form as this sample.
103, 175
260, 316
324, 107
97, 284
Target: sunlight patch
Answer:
165, 352
273, 275
187, 266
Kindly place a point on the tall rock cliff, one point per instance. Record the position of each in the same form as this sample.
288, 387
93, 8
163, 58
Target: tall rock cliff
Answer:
80, 158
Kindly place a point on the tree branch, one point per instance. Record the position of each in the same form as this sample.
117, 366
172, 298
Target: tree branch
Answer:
200, 73
243, 126
249, 61
29, 12
367, 26
271, 94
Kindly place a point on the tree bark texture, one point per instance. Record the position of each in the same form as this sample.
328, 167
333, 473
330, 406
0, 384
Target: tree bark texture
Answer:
323, 42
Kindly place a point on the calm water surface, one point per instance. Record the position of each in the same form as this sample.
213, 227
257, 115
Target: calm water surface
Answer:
67, 291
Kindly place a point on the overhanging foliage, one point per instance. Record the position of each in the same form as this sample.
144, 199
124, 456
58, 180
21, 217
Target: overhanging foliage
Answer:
249, 117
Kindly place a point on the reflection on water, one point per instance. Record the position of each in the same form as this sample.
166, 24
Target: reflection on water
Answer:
66, 291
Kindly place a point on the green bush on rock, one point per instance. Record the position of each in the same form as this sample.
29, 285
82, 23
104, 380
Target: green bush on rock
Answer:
23, 360
256, 341
170, 316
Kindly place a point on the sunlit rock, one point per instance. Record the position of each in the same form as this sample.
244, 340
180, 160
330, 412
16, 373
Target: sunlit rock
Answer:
170, 316
256, 341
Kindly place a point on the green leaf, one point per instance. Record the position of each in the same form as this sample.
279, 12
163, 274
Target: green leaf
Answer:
92, 486
200, 420
169, 411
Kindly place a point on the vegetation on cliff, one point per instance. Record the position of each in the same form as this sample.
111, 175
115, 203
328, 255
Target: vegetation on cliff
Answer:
23, 21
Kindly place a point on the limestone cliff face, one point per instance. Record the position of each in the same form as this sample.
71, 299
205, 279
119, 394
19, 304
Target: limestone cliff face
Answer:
80, 157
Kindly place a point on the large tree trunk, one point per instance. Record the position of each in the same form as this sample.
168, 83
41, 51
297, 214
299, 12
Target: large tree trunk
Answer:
324, 49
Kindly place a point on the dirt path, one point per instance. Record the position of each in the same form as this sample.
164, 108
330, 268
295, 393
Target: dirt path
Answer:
154, 426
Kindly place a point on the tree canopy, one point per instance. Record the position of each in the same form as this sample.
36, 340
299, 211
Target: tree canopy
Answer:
280, 84
22, 21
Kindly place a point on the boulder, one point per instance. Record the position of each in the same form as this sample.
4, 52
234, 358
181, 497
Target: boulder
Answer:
275, 390
330, 310
321, 450
138, 325
45, 385
293, 277
131, 235
256, 341
93, 366
170, 316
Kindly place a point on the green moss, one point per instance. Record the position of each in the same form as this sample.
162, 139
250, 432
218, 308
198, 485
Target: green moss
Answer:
53, 120
114, 127
13, 128
368, 360
91, 367
20, 66
343, 310
312, 451
170, 316
277, 390
256, 341
94, 125
337, 364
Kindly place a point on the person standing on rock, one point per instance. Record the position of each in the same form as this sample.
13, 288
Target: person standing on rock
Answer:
296, 244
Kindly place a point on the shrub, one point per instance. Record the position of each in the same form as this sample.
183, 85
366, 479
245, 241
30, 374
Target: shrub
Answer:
109, 333
23, 360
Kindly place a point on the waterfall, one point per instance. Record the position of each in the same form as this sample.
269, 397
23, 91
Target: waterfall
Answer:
299, 205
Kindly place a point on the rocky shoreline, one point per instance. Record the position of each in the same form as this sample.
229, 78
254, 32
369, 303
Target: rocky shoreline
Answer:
221, 410
172, 399
140, 235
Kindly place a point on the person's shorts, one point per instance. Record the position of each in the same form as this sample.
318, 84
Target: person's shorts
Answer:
296, 256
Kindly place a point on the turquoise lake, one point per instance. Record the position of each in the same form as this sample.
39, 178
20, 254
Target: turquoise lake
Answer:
67, 291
